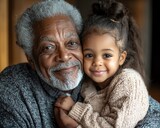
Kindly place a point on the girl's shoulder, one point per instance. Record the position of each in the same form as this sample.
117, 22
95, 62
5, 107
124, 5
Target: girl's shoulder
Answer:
129, 72
129, 75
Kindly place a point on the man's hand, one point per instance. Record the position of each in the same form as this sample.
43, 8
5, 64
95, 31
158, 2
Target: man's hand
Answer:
65, 102
63, 120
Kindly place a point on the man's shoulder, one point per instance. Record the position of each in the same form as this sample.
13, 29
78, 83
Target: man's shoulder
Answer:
16, 76
15, 72
15, 68
155, 105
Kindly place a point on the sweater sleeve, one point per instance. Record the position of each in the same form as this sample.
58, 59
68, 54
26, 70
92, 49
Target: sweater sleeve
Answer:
126, 104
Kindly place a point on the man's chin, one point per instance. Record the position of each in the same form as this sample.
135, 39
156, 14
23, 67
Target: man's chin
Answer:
64, 86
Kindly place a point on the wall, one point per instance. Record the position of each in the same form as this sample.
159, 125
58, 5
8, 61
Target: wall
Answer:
3, 34
16, 7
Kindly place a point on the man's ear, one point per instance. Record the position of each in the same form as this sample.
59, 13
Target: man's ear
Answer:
30, 61
122, 58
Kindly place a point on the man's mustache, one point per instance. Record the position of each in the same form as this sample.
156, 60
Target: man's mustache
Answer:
65, 65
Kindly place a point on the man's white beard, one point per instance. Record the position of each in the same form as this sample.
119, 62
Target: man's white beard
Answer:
70, 83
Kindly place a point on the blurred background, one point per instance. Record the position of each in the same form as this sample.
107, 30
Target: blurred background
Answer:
144, 11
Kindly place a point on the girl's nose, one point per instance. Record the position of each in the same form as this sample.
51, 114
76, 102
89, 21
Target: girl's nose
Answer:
98, 62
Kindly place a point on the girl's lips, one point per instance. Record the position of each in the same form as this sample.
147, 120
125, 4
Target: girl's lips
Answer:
98, 73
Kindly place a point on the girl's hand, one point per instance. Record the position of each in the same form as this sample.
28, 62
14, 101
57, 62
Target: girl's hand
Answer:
65, 102
63, 120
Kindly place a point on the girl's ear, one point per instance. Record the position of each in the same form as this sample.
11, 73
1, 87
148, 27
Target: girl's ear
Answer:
122, 57
30, 61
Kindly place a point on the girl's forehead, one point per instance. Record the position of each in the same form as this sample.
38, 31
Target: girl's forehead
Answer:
102, 41
97, 40
100, 30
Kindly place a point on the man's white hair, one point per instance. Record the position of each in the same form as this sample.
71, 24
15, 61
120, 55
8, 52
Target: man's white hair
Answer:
39, 11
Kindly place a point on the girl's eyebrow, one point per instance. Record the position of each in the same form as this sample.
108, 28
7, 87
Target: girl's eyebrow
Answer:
86, 49
108, 49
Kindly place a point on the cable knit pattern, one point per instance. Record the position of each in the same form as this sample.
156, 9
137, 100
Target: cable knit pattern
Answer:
120, 105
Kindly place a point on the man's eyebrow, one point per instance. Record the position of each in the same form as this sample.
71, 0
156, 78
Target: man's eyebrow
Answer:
46, 38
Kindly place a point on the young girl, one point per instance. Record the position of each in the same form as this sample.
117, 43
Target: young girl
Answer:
114, 90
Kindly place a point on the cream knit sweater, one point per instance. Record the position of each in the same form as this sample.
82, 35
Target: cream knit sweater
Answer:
120, 105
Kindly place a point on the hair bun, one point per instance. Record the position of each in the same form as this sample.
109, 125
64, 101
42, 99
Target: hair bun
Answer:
117, 11
110, 8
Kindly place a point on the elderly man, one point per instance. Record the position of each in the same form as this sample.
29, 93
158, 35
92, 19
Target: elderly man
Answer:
48, 32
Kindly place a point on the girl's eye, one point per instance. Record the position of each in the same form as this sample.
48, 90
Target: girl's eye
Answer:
48, 49
72, 45
107, 56
88, 55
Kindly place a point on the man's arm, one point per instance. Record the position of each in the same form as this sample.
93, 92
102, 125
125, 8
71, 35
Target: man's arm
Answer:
152, 119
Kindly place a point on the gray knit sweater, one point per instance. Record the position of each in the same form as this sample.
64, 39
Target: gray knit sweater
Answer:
27, 102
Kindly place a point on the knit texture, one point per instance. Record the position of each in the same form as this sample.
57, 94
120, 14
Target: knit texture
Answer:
122, 104
27, 102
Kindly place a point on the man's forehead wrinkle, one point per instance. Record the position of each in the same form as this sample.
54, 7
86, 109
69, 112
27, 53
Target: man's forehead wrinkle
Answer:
70, 34
53, 39
58, 30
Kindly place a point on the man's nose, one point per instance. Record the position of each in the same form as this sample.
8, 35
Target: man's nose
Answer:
63, 55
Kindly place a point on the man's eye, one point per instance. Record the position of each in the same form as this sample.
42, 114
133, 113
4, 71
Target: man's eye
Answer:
48, 49
107, 55
88, 55
72, 45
